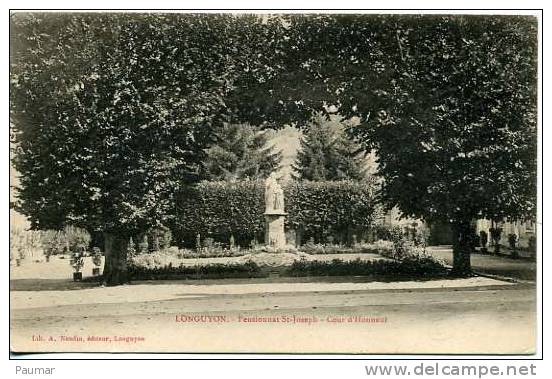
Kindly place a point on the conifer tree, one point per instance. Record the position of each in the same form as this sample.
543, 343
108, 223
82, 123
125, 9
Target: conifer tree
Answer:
327, 153
241, 152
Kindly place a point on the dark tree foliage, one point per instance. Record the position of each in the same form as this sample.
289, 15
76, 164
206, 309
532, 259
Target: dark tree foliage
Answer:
113, 112
241, 151
327, 153
448, 103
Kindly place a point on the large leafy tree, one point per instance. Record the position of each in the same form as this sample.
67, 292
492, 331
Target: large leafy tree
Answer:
327, 153
447, 102
112, 113
241, 151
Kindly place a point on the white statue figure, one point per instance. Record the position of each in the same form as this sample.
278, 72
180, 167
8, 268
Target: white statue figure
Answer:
278, 198
270, 183
274, 195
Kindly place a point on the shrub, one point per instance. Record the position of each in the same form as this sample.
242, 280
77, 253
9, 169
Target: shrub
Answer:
211, 271
16, 241
77, 239
23, 242
402, 237
272, 250
318, 248
384, 248
512, 241
77, 260
54, 242
496, 232
173, 254
21, 252
533, 244
69, 240
402, 245
416, 234
143, 245
131, 252
159, 238
411, 267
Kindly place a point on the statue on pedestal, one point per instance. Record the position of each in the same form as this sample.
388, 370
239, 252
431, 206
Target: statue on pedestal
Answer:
274, 213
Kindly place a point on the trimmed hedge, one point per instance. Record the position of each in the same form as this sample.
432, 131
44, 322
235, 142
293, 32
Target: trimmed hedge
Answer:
337, 210
218, 210
211, 271
316, 210
411, 267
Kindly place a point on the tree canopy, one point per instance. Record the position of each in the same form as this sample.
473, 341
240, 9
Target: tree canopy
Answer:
113, 112
449, 105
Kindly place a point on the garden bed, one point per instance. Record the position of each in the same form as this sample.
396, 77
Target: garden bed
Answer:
379, 269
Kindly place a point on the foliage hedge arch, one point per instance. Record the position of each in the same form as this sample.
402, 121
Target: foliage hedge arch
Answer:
315, 209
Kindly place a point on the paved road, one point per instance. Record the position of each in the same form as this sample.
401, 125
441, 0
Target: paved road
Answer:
521, 269
497, 318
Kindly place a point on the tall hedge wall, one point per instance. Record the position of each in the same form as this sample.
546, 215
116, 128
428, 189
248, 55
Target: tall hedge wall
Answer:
315, 209
337, 210
218, 210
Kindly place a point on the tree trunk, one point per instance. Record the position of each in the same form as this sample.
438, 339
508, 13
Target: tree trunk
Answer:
350, 240
115, 266
299, 236
462, 247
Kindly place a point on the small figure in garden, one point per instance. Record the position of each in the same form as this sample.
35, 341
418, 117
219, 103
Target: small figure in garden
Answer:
278, 198
274, 194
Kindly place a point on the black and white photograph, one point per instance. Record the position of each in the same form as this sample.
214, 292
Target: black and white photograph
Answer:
274, 182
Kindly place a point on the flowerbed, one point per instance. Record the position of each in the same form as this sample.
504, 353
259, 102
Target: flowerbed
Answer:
400, 259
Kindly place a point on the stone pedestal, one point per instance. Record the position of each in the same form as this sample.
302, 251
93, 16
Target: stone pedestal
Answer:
274, 229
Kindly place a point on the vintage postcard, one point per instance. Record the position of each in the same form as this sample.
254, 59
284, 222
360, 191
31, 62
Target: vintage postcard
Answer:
273, 182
